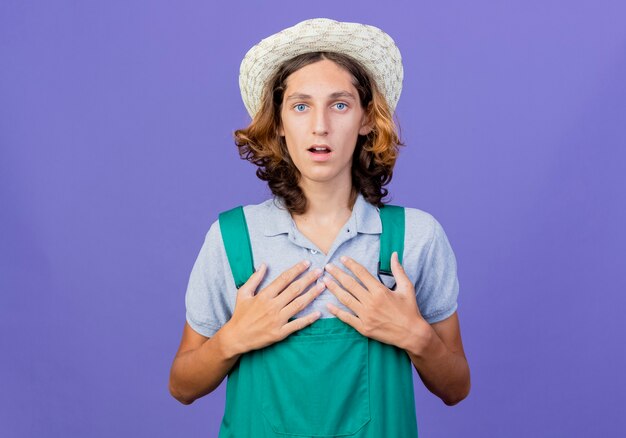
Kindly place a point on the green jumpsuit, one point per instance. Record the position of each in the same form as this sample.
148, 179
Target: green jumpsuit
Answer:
325, 380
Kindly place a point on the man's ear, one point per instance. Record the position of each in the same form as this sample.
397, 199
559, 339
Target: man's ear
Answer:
366, 125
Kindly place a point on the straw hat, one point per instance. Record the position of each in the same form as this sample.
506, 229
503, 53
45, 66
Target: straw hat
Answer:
369, 45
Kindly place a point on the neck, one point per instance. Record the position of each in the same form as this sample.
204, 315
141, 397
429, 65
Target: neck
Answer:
327, 205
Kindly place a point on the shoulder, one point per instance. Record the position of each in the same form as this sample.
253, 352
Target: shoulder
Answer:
256, 215
263, 208
418, 217
420, 225
214, 247
250, 210
424, 233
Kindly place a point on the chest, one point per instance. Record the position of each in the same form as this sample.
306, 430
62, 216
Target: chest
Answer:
322, 237
280, 252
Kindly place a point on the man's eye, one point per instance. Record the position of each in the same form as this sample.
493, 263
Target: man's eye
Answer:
341, 105
300, 105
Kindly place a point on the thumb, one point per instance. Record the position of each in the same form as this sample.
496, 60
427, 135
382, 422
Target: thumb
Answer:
398, 271
249, 287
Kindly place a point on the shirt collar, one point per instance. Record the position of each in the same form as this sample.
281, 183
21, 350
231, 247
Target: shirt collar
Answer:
365, 216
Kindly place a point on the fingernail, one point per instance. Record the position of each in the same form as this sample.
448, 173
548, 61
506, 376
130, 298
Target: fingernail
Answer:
343, 259
306, 263
317, 271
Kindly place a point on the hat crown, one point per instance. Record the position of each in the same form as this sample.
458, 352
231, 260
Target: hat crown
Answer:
367, 44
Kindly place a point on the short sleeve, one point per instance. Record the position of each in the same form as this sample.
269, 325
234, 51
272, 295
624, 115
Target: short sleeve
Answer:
437, 286
207, 308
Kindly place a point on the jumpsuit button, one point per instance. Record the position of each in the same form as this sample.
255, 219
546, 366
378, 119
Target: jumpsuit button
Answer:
313, 251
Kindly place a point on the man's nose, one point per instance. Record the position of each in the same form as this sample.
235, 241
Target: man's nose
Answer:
320, 121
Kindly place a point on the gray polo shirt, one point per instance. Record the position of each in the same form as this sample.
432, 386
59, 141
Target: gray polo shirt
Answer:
428, 260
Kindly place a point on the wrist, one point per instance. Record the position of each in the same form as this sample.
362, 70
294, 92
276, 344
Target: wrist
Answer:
228, 342
420, 337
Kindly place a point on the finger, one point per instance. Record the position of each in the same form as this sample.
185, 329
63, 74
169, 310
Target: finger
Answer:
370, 282
285, 277
346, 317
302, 301
348, 282
398, 271
343, 296
295, 288
300, 323
249, 287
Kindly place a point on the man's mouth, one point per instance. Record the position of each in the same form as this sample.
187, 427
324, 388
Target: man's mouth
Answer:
319, 149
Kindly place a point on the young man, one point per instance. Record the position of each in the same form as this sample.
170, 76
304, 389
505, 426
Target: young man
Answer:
331, 356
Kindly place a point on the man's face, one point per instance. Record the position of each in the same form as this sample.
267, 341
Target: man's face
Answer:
322, 107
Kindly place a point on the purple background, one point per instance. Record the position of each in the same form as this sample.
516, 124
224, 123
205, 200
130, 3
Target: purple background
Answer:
116, 155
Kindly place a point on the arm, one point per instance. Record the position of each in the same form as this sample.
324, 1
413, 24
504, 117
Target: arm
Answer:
438, 357
200, 364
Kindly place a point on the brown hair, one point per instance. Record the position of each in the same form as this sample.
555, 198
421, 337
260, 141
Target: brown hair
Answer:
374, 156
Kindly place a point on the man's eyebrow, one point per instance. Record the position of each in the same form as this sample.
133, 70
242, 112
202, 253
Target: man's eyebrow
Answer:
335, 95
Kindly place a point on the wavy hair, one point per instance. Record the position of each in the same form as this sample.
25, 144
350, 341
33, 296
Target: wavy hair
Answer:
374, 156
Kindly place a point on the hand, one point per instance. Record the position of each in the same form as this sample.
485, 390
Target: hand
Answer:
260, 320
392, 317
